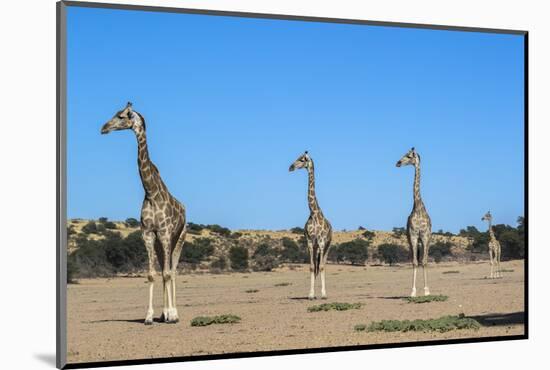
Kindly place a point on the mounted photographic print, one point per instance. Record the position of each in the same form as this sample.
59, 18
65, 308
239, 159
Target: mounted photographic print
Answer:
235, 184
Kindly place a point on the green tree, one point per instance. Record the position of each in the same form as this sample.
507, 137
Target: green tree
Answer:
90, 228
197, 251
392, 253
131, 222
238, 257
398, 232
293, 252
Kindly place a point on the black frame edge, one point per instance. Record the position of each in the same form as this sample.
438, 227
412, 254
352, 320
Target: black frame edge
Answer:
288, 17
61, 211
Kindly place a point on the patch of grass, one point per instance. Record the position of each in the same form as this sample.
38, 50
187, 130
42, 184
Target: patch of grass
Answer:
507, 270
334, 306
251, 291
283, 284
427, 299
209, 320
441, 325
451, 272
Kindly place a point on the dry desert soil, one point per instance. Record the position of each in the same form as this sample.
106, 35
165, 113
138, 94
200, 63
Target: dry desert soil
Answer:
105, 316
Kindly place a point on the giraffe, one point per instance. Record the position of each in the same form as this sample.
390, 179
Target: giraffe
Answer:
163, 224
494, 248
419, 225
318, 231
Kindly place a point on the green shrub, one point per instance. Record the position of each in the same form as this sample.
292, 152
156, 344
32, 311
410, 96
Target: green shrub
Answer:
265, 263
103, 220
442, 324
209, 320
439, 250
283, 284
297, 230
427, 299
131, 222
72, 269
354, 252
196, 251
90, 228
398, 232
334, 306
392, 253
236, 235
70, 230
238, 256
293, 252
223, 231
195, 229
220, 263
109, 225
368, 234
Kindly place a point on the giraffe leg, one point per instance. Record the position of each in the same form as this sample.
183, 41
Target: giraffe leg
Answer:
167, 276
175, 260
311, 270
492, 262
425, 238
149, 240
322, 271
499, 271
414, 243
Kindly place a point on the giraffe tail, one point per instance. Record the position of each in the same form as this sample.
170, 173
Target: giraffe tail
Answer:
316, 261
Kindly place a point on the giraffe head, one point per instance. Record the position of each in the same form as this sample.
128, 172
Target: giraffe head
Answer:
124, 119
410, 158
487, 217
303, 161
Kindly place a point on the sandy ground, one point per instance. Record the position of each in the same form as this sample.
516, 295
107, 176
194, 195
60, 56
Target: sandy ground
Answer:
105, 316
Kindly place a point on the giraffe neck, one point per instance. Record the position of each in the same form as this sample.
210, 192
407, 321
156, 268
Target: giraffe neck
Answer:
491, 232
146, 168
311, 197
416, 186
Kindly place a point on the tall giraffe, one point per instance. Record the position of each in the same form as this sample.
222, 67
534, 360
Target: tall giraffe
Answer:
494, 248
163, 224
419, 225
318, 231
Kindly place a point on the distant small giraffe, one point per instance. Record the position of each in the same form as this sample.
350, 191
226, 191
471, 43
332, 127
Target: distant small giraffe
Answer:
494, 248
162, 216
318, 231
419, 225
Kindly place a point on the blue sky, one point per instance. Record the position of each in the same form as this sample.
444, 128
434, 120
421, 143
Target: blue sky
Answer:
231, 102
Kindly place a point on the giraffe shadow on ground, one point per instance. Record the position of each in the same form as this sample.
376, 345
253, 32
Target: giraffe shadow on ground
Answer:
393, 297
501, 319
133, 321
301, 298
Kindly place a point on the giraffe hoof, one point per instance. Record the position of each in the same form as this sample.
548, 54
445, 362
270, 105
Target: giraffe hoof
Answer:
324, 297
413, 293
148, 322
311, 297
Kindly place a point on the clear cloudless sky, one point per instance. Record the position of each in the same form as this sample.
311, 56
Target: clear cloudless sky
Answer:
231, 102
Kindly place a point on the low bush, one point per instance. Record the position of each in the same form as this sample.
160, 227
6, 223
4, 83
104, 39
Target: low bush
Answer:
238, 257
427, 299
131, 222
442, 324
197, 251
334, 306
392, 253
297, 230
209, 320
